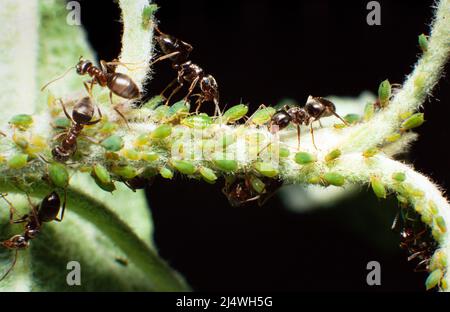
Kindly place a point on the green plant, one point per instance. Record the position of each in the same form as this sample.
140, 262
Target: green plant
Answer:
165, 140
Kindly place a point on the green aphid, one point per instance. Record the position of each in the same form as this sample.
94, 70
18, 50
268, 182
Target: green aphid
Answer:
126, 172
369, 111
179, 109
423, 43
20, 141
333, 155
412, 122
426, 217
378, 187
102, 174
399, 176
439, 260
58, 174
393, 137
18, 161
166, 173
147, 15
200, 121
160, 112
184, 166
262, 116
108, 127
440, 222
384, 93
434, 279
352, 118
154, 102
113, 143
334, 178
235, 113
402, 200
226, 165
304, 158
257, 184
284, 152
161, 132
208, 174
61, 123
108, 187
370, 152
419, 82
433, 207
266, 169
149, 157
21, 121
315, 180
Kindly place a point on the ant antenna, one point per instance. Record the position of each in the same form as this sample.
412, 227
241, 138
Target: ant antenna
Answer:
11, 267
57, 78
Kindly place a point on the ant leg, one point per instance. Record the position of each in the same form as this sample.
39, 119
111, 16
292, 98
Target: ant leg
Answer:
93, 122
1, 133
164, 57
92, 140
168, 87
63, 207
65, 110
191, 88
180, 85
335, 114
89, 88
33, 210
311, 130
117, 110
298, 137
12, 210
200, 102
11, 267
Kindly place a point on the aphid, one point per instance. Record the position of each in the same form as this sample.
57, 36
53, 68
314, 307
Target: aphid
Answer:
82, 115
46, 211
178, 51
314, 109
106, 76
241, 190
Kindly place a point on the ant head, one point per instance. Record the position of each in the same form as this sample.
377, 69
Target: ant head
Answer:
16, 242
83, 66
83, 111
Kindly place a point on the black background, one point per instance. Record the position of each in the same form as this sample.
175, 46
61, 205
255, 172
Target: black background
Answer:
260, 52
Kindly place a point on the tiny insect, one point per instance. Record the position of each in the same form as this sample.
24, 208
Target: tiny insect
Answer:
415, 239
240, 191
106, 76
47, 211
314, 109
178, 51
82, 115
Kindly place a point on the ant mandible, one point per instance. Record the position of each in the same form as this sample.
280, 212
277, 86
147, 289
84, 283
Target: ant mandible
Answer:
314, 109
106, 76
82, 115
46, 211
178, 52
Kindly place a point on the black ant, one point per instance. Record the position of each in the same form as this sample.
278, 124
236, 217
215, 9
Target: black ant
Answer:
240, 191
314, 109
416, 240
178, 52
82, 115
46, 211
139, 182
106, 76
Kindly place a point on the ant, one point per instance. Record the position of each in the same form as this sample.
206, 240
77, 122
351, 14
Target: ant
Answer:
239, 191
46, 211
106, 76
415, 239
139, 183
178, 52
314, 109
82, 115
